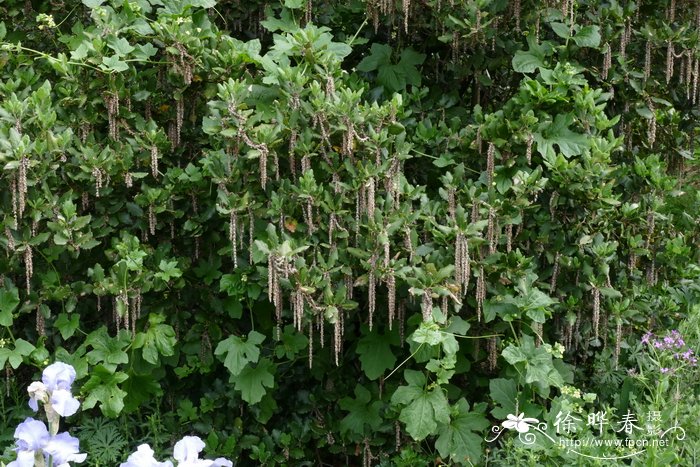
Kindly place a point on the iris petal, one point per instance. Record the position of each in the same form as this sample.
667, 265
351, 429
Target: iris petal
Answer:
58, 375
188, 449
64, 448
143, 457
24, 459
31, 435
64, 403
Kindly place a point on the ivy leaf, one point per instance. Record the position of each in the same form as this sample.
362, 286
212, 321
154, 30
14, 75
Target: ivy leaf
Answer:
558, 132
168, 270
103, 387
588, 36
253, 381
67, 324
527, 61
9, 299
293, 4
238, 352
375, 355
121, 46
159, 339
106, 350
113, 64
504, 393
361, 412
423, 414
380, 55
457, 439
15, 357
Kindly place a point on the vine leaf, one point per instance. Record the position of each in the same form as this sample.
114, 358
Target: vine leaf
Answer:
457, 439
424, 408
158, 340
253, 381
588, 36
527, 61
107, 350
558, 132
361, 412
375, 355
103, 387
15, 357
238, 352
504, 393
9, 299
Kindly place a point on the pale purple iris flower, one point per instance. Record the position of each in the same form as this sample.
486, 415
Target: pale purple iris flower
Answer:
54, 387
58, 375
32, 436
143, 457
186, 453
187, 450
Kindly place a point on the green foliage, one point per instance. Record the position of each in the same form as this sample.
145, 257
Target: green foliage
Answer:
242, 220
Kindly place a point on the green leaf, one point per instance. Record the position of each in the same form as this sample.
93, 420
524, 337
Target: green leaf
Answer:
294, 4
145, 51
113, 64
103, 387
361, 412
253, 381
9, 299
291, 344
121, 46
558, 132
423, 414
380, 55
15, 357
504, 392
67, 324
588, 36
458, 439
93, 3
375, 354
526, 62
159, 339
561, 30
238, 352
168, 269
106, 350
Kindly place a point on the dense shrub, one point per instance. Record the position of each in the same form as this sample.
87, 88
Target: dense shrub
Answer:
346, 232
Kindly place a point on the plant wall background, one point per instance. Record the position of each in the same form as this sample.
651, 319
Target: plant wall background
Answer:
362, 231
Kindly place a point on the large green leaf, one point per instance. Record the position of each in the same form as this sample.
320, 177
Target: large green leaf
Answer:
107, 350
460, 439
361, 412
159, 339
527, 61
588, 36
558, 133
16, 356
103, 387
9, 299
504, 393
375, 354
252, 381
237, 352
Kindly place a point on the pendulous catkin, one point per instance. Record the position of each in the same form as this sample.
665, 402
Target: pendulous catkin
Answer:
427, 305
596, 310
